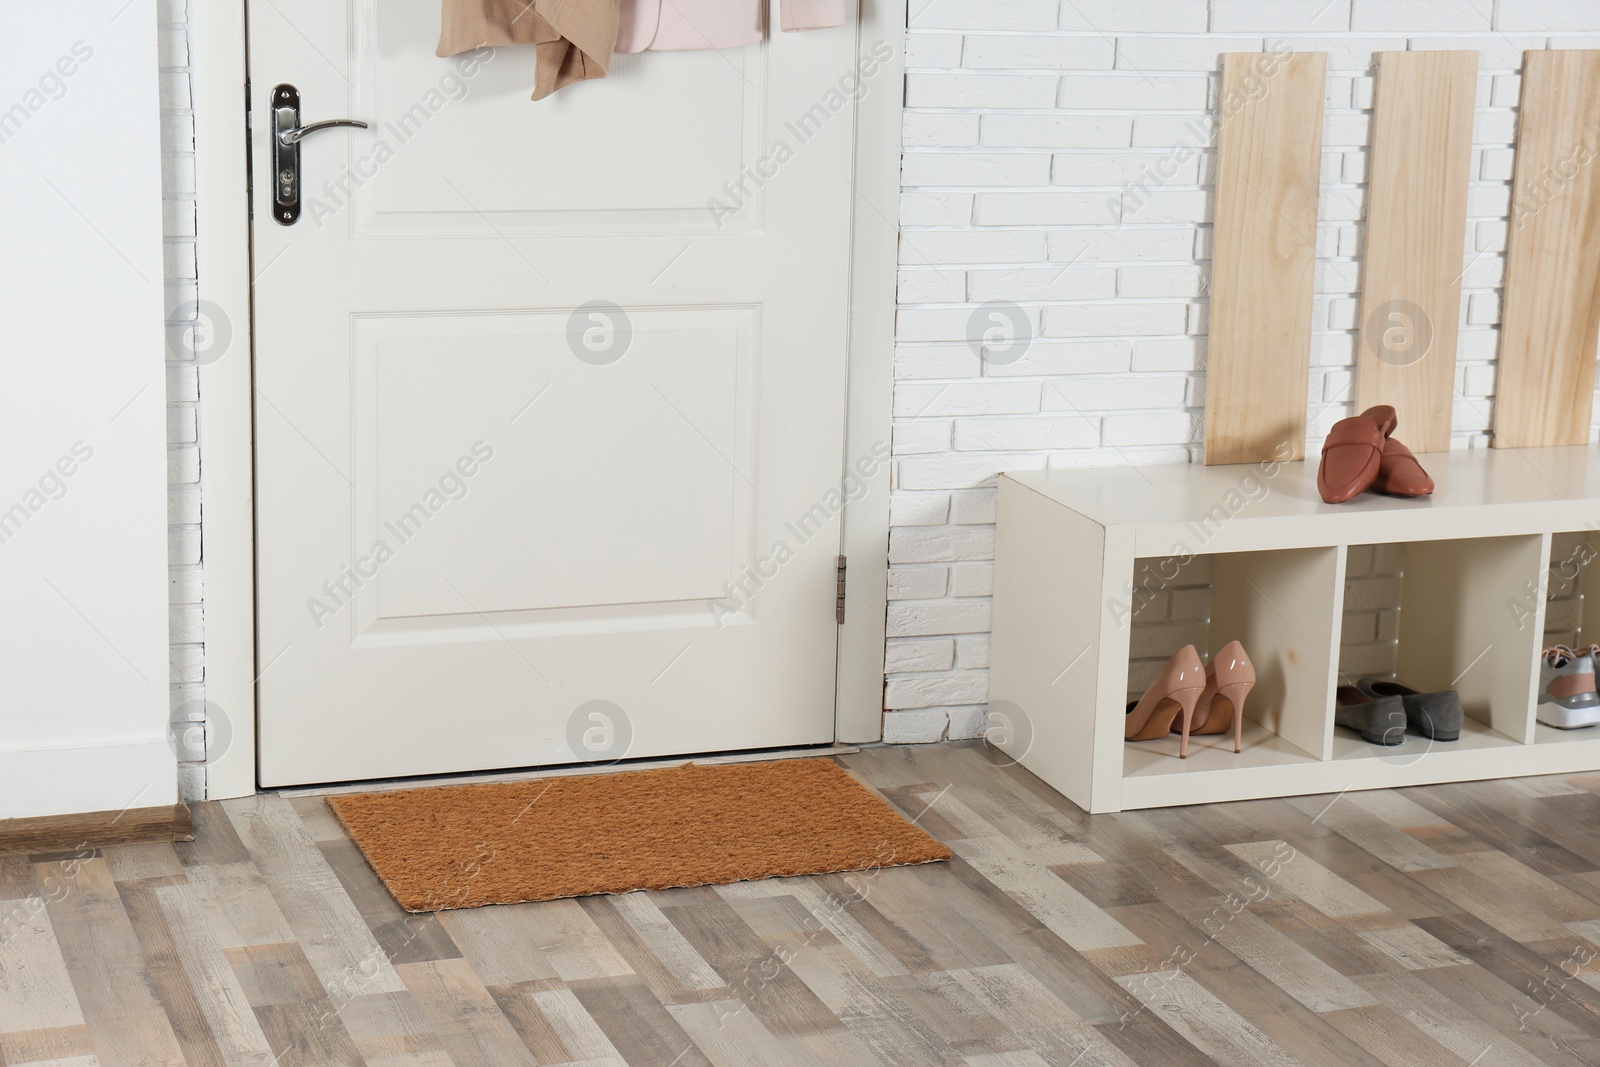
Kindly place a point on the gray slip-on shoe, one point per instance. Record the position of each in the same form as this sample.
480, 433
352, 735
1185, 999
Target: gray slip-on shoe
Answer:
1380, 720
1436, 716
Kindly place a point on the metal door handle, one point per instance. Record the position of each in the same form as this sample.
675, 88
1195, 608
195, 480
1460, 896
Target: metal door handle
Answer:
287, 133
298, 133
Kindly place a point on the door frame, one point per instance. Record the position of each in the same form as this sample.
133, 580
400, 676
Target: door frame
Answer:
226, 436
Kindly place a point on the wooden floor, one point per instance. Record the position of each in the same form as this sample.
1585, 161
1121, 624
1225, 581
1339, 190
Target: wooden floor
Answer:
1453, 924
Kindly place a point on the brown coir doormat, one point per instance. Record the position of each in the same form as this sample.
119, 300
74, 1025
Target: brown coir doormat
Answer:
468, 845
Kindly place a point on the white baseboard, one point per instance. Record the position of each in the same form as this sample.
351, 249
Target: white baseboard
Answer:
108, 777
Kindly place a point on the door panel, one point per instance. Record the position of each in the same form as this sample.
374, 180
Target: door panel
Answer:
558, 170
538, 431
424, 391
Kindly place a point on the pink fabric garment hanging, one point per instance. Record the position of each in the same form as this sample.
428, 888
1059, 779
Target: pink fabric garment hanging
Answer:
676, 25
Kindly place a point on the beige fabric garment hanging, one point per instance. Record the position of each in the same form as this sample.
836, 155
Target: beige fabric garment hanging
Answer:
575, 38
572, 39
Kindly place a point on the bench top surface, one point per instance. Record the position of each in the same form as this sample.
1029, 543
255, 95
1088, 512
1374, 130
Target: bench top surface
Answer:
1536, 488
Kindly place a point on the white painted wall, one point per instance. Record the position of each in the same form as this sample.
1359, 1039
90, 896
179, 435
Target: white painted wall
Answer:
1030, 126
83, 536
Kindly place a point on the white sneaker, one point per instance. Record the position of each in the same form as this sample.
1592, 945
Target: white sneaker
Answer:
1567, 696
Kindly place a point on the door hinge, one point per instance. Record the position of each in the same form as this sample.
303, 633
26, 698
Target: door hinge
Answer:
839, 591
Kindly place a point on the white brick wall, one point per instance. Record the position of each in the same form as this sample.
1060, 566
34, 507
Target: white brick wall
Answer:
1032, 133
186, 612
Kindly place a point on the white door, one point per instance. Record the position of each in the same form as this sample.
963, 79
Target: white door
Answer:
550, 400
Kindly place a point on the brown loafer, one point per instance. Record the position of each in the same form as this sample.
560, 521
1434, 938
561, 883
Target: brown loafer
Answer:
1384, 416
1353, 453
1399, 473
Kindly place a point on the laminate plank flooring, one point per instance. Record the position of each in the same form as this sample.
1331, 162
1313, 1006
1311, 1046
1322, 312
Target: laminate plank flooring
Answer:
1453, 924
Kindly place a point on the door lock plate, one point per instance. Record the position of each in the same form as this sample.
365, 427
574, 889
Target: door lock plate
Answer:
285, 157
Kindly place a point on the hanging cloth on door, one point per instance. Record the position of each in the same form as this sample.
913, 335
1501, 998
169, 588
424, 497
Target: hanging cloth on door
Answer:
572, 39
676, 25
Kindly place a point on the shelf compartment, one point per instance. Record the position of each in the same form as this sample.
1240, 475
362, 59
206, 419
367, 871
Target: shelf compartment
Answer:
1459, 628
1286, 607
1283, 606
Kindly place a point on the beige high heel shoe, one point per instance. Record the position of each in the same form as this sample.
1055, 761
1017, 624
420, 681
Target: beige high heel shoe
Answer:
1229, 680
1174, 693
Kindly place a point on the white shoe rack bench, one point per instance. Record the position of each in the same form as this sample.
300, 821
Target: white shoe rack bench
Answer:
1476, 560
